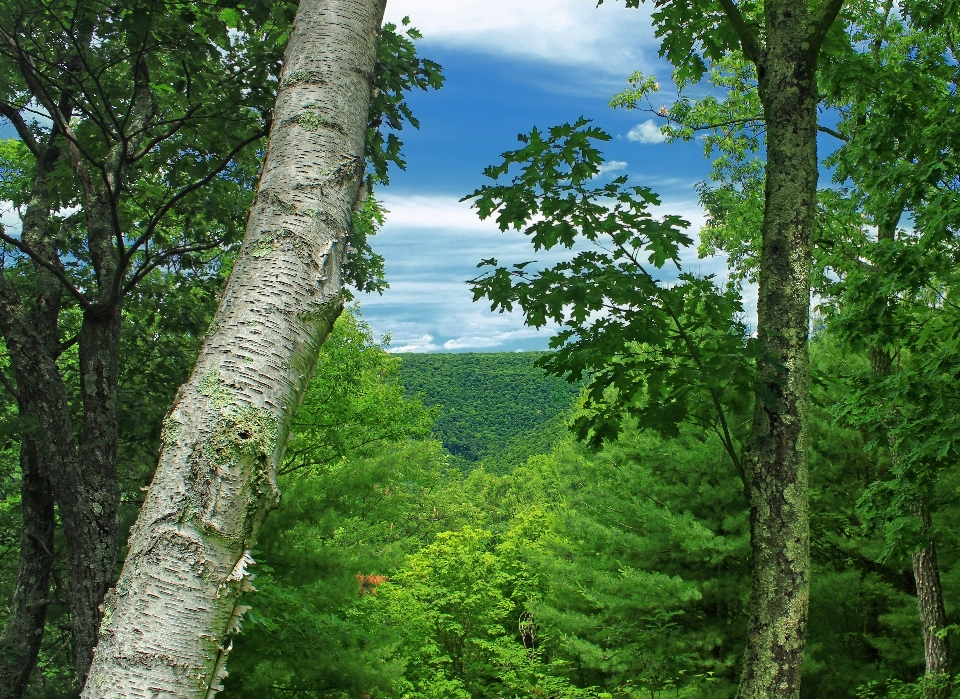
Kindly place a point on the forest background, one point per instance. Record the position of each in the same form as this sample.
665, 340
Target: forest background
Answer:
477, 550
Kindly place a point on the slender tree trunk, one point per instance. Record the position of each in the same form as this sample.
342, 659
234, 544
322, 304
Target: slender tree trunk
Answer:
777, 458
933, 617
167, 624
926, 569
89, 497
43, 395
32, 339
23, 632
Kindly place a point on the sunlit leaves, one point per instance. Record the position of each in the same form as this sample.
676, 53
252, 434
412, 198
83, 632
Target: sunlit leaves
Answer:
398, 71
666, 348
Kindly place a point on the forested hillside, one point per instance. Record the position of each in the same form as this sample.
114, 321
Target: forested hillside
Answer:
496, 407
393, 571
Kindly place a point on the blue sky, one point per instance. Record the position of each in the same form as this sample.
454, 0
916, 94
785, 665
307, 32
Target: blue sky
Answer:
510, 65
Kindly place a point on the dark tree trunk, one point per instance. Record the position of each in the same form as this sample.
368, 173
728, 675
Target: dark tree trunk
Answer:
23, 632
43, 395
90, 496
926, 569
777, 458
32, 339
933, 617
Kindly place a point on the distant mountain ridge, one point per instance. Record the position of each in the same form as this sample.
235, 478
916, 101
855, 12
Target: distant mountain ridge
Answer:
496, 407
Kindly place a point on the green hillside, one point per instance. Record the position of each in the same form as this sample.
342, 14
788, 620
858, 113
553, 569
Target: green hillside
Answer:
496, 407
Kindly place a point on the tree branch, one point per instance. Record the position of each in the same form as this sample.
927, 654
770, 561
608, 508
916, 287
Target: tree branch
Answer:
20, 125
752, 47
162, 211
11, 389
835, 134
29, 72
162, 257
821, 19
174, 127
58, 273
64, 346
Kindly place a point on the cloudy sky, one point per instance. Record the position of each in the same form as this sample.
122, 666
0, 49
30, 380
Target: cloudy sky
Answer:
510, 65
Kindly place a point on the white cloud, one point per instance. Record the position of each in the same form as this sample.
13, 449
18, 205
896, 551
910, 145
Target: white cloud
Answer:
432, 212
609, 39
432, 245
498, 339
612, 166
422, 344
647, 132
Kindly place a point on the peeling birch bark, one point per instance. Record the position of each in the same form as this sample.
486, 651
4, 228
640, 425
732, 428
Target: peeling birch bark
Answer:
167, 624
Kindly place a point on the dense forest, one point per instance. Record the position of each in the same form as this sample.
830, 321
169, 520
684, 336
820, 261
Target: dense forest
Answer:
494, 408
215, 479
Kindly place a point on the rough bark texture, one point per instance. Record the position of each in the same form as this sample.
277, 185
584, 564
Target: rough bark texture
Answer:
933, 617
32, 339
167, 624
23, 632
90, 498
777, 458
43, 395
83, 479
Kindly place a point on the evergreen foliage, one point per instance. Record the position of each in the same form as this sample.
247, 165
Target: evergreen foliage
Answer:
497, 408
391, 573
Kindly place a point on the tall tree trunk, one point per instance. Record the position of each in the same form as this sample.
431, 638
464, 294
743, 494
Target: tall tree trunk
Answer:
33, 343
777, 459
43, 395
167, 624
23, 632
933, 617
90, 497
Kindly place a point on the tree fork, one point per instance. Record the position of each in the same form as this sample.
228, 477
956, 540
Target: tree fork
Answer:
167, 624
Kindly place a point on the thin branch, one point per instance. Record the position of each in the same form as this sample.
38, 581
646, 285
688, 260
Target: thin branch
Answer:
11, 389
160, 258
64, 346
174, 127
752, 47
58, 273
695, 355
40, 541
835, 134
29, 72
20, 125
162, 211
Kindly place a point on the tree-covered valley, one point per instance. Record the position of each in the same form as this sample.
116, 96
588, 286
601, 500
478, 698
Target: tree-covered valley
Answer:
736, 481
565, 573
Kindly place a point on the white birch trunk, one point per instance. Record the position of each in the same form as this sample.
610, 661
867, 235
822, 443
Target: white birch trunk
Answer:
167, 623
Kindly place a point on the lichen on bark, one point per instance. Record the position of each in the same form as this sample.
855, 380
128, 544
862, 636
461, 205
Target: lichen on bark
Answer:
176, 606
